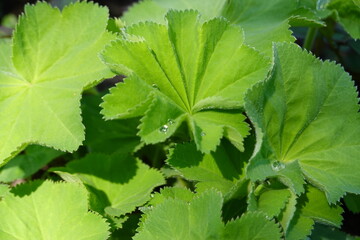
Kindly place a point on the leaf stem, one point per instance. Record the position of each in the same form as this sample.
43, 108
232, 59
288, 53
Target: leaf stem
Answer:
310, 37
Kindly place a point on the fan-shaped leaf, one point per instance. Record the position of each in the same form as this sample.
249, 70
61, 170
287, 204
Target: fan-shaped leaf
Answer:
184, 71
306, 114
52, 58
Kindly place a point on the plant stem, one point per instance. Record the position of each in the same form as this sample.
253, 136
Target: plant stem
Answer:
310, 37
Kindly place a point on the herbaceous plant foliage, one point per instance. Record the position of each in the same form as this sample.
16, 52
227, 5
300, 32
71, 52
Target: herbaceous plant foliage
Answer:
222, 128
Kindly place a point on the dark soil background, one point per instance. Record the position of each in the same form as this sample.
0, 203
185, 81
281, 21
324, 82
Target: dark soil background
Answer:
331, 43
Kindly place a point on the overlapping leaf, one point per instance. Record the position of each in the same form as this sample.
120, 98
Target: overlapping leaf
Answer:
47, 210
200, 218
53, 57
222, 169
311, 207
24, 165
307, 122
264, 22
348, 14
185, 71
118, 184
107, 136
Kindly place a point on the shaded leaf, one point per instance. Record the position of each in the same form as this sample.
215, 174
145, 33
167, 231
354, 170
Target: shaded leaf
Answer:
24, 165
118, 183
107, 136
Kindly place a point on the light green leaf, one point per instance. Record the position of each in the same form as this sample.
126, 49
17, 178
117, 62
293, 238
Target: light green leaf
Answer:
107, 136
306, 114
171, 192
47, 210
24, 165
173, 77
271, 202
253, 225
264, 22
53, 57
220, 169
118, 183
348, 14
177, 219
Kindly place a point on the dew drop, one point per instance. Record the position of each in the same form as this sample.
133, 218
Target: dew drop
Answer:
155, 86
170, 121
164, 128
202, 134
277, 166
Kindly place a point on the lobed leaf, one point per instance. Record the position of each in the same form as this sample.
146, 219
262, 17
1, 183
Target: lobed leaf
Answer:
221, 169
118, 183
200, 218
264, 22
306, 114
52, 58
188, 71
47, 210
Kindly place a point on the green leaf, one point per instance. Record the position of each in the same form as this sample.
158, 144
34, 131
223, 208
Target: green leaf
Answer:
352, 202
53, 57
253, 225
47, 210
118, 183
314, 205
348, 14
107, 136
300, 227
306, 114
322, 232
271, 202
220, 169
24, 165
173, 77
177, 219
264, 22
311, 207
171, 192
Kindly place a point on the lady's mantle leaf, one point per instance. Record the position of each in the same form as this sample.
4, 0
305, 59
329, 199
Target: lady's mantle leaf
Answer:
200, 218
53, 57
107, 136
311, 207
307, 118
184, 71
118, 184
24, 165
47, 210
264, 22
221, 169
253, 225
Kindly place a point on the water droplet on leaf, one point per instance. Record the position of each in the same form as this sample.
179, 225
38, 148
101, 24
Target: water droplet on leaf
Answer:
170, 121
155, 86
164, 128
203, 134
277, 166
